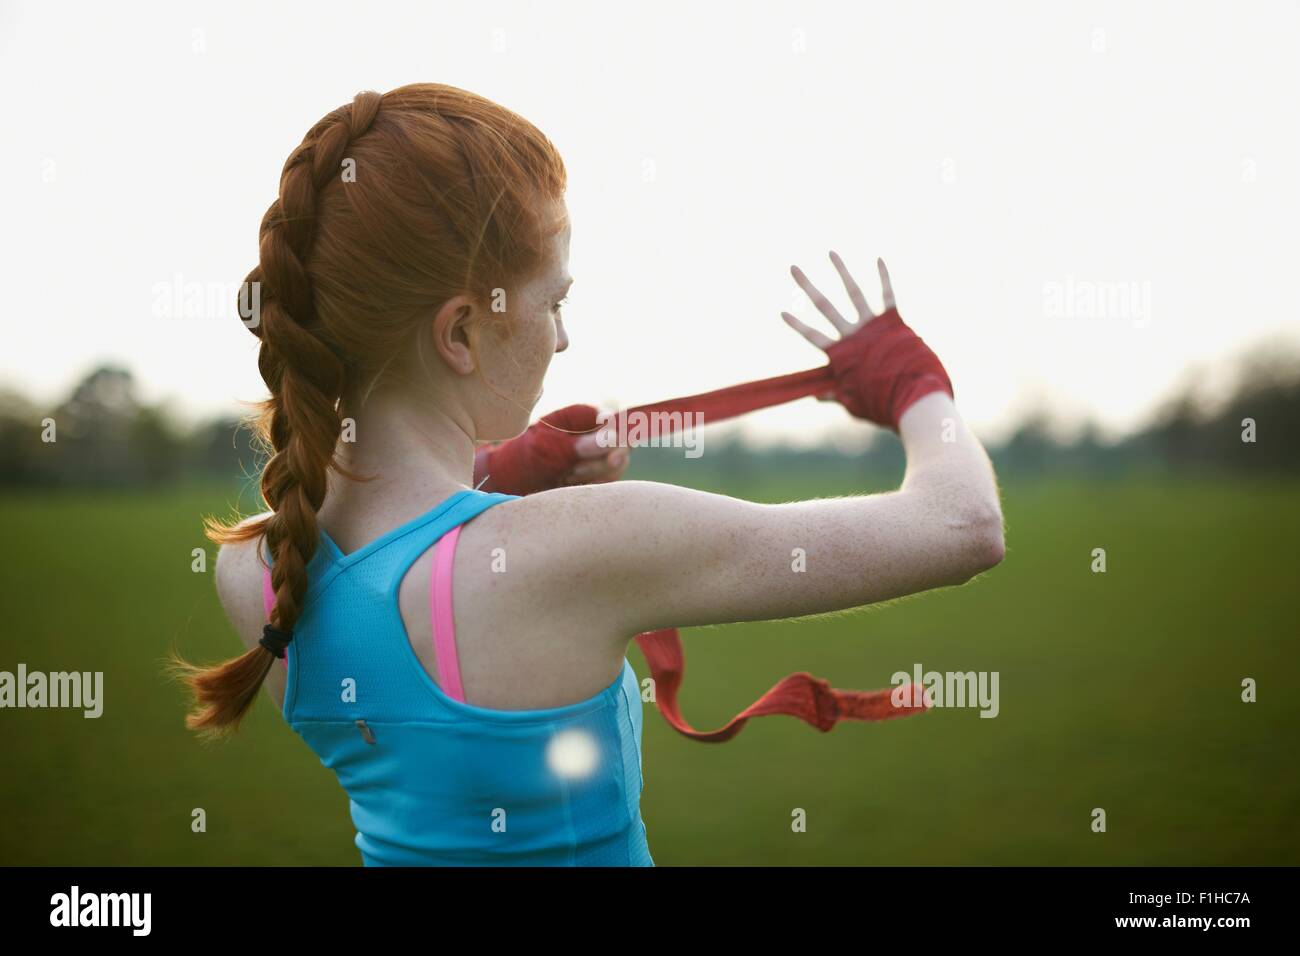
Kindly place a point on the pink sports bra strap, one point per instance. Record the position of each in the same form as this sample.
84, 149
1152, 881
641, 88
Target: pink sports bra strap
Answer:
268, 603
440, 615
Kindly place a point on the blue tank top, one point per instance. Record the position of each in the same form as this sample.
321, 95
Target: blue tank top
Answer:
435, 781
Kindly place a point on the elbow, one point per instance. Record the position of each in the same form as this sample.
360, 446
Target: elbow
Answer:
993, 546
983, 545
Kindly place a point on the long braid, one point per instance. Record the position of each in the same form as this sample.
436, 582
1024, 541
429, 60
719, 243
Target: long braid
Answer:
301, 420
305, 375
457, 196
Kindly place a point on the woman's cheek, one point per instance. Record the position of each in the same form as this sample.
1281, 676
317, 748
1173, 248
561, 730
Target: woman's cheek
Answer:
541, 345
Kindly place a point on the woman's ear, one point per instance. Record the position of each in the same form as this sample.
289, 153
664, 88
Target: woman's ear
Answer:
455, 330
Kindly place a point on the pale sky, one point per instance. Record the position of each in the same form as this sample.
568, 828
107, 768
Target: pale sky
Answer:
1078, 201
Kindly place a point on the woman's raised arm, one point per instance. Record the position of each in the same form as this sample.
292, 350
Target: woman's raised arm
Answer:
636, 556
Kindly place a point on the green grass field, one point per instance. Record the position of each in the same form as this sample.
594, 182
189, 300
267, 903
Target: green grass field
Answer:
1118, 690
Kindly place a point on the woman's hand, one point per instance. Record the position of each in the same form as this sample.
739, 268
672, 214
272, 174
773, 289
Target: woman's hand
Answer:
561, 449
881, 366
597, 463
826, 308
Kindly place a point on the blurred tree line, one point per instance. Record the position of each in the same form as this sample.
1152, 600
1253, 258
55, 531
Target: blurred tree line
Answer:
1253, 427
103, 435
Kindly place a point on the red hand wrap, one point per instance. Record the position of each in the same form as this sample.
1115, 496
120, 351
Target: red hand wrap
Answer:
883, 368
539, 459
877, 373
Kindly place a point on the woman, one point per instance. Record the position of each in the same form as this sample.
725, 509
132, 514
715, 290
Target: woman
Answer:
411, 278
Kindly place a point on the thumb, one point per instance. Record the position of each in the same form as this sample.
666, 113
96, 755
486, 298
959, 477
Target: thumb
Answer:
599, 443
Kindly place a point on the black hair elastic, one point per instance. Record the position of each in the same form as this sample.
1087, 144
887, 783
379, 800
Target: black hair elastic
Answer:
275, 640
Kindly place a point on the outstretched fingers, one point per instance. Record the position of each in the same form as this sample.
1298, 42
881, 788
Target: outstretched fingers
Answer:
823, 342
824, 305
886, 288
855, 292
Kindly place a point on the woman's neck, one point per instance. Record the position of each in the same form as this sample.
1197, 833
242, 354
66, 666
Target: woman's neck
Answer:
415, 459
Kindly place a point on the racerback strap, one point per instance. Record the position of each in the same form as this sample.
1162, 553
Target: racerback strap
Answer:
441, 618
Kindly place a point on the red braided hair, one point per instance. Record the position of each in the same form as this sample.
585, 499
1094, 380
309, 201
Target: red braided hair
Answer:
390, 206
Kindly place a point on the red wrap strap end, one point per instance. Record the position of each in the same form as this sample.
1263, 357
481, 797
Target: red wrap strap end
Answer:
801, 695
